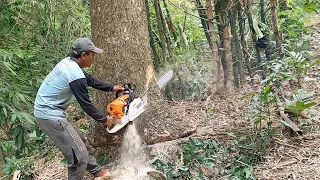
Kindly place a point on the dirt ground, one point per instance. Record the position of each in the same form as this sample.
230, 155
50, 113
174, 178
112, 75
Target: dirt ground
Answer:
289, 157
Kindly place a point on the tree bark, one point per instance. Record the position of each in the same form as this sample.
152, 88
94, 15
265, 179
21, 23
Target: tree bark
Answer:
161, 31
121, 29
228, 55
216, 62
165, 29
234, 39
229, 78
253, 33
266, 34
183, 36
170, 23
277, 33
204, 23
156, 60
243, 40
220, 42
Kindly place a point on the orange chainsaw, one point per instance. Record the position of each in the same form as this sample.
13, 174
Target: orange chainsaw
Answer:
126, 107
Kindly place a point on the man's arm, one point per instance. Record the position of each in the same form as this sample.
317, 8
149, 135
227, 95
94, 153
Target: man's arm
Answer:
95, 83
80, 91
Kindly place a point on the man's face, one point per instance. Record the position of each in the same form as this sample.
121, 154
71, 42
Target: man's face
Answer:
88, 58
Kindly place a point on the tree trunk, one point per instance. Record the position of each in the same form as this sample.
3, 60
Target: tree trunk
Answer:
234, 39
183, 36
152, 42
263, 20
216, 63
277, 33
170, 23
160, 30
229, 79
165, 29
121, 29
204, 23
253, 33
243, 40
220, 42
228, 55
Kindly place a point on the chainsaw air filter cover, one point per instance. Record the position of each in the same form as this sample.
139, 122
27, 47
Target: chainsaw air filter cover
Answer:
118, 107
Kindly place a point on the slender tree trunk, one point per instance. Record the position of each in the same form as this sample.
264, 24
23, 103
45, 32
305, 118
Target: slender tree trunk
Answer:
170, 23
243, 40
216, 64
263, 20
120, 28
204, 23
165, 30
220, 42
237, 56
160, 30
277, 33
228, 55
253, 33
183, 36
152, 42
229, 87
168, 88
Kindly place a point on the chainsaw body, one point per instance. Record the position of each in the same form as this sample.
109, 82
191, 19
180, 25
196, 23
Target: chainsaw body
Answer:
118, 107
126, 107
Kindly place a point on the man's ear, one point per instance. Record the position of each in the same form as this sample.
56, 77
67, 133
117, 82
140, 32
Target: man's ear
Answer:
83, 54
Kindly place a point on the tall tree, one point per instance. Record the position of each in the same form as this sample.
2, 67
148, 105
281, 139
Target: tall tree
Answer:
234, 47
277, 33
266, 34
151, 36
204, 23
245, 50
224, 6
170, 23
216, 62
161, 30
121, 29
247, 5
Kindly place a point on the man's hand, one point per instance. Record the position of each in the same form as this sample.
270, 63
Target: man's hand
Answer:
109, 122
118, 88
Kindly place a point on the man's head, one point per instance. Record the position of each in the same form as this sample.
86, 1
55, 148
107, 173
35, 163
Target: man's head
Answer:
83, 50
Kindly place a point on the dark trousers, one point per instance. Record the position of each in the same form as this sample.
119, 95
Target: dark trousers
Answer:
74, 147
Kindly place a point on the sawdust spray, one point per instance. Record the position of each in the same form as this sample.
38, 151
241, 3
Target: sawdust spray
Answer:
133, 160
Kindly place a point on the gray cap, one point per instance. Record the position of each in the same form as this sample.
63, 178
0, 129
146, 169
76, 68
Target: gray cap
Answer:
84, 44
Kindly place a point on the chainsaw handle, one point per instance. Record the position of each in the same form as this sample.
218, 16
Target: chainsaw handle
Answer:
127, 88
118, 92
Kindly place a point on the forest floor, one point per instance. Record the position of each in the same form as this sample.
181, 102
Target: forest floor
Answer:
287, 157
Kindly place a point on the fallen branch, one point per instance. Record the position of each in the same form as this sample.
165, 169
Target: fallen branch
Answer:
290, 123
168, 137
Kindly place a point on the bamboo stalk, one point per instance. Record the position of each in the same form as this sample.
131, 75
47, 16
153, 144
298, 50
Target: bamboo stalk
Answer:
204, 23
277, 33
214, 49
152, 42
